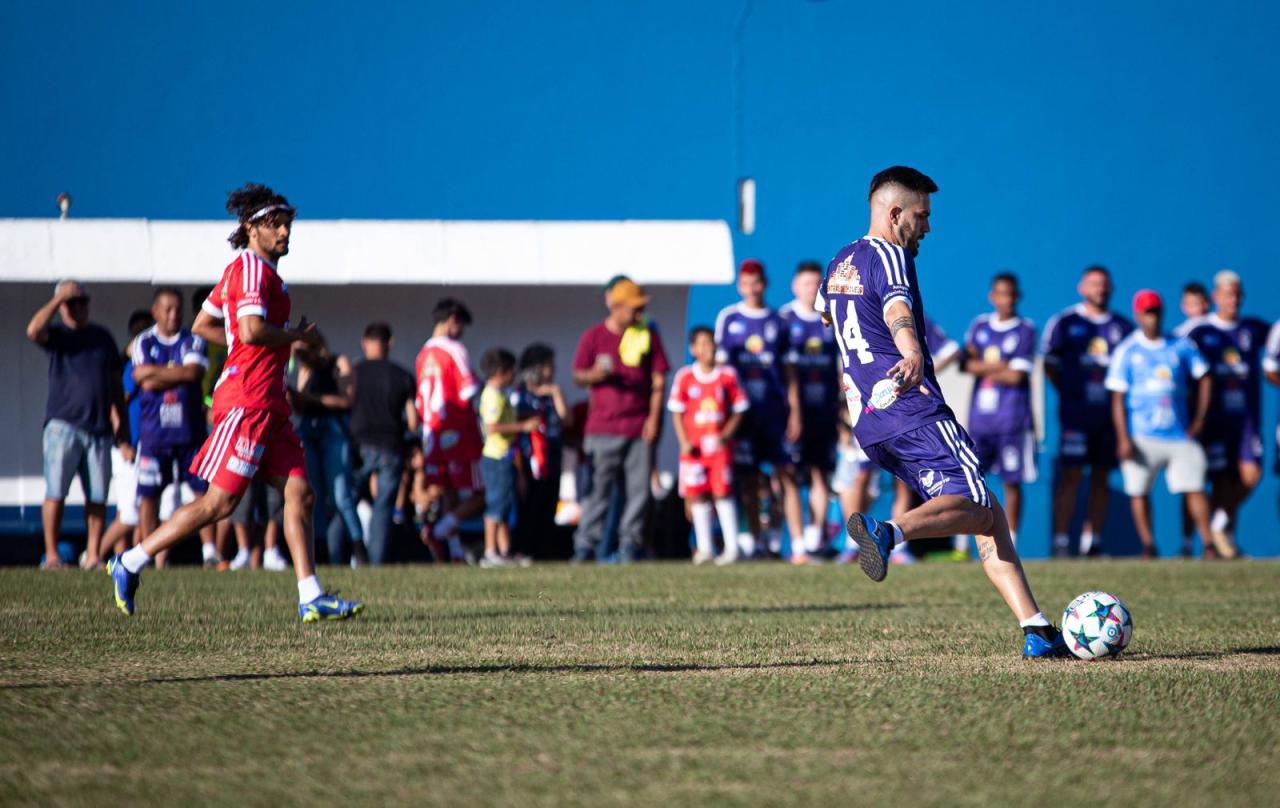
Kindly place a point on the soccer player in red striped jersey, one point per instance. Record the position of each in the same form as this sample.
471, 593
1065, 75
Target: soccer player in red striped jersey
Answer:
252, 436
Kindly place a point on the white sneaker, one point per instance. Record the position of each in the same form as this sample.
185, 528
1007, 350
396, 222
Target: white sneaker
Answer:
241, 561
725, 559
700, 558
272, 560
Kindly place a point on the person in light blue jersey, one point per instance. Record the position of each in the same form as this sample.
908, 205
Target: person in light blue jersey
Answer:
1150, 378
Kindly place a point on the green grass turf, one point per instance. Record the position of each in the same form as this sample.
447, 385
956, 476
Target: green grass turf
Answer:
653, 684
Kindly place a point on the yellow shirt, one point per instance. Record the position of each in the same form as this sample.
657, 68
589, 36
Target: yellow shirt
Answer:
495, 408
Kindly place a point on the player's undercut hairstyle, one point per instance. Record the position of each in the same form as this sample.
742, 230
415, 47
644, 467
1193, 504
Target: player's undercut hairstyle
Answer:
379, 331
1005, 277
450, 307
1092, 268
256, 203
701, 329
1195, 288
808, 266
909, 178
497, 360
161, 291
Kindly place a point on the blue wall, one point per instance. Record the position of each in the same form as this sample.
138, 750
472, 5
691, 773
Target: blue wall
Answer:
1142, 137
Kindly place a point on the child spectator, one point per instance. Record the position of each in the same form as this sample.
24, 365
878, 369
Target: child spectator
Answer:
536, 395
708, 403
497, 465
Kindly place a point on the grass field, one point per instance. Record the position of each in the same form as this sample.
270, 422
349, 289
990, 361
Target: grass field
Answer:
652, 684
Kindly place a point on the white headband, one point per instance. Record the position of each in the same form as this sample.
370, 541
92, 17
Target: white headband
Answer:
268, 209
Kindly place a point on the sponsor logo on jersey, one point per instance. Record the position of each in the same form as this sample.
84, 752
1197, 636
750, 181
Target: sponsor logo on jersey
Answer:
813, 346
248, 449
755, 344
237, 466
845, 279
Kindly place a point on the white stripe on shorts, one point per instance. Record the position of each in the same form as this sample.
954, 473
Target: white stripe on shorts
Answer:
967, 451
223, 437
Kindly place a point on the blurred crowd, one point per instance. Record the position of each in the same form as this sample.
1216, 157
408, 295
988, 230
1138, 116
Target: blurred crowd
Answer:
492, 465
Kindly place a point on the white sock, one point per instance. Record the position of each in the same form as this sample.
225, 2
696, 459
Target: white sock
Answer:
1060, 540
272, 553
1037, 619
135, 558
727, 510
209, 551
242, 555
1086, 541
309, 589
1219, 521
897, 534
960, 543
812, 538
701, 513
747, 543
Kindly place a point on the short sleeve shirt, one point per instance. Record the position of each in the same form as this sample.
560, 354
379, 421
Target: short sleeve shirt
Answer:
620, 404
1156, 378
172, 417
253, 376
84, 366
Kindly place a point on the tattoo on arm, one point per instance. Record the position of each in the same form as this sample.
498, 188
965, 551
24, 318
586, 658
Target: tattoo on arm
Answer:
986, 548
899, 324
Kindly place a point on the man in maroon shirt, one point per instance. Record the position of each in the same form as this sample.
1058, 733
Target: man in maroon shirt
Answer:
622, 363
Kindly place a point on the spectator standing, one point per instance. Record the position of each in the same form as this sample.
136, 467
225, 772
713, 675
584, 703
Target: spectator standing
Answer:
451, 440
542, 455
754, 340
1271, 366
85, 408
168, 364
1195, 307
707, 404
1232, 439
382, 414
1077, 348
1150, 379
497, 463
815, 361
624, 365
321, 402
1000, 352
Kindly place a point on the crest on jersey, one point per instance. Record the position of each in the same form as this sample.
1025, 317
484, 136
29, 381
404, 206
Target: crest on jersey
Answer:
755, 344
1231, 357
845, 279
1098, 347
931, 481
991, 354
1010, 343
813, 346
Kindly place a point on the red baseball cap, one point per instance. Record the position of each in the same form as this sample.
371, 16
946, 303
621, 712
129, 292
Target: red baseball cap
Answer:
1146, 300
751, 266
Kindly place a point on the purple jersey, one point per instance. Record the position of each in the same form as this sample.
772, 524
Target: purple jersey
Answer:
172, 417
1001, 409
816, 360
755, 342
941, 347
861, 282
1234, 352
1079, 345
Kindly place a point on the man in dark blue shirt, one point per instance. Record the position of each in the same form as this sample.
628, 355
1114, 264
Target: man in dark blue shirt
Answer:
85, 409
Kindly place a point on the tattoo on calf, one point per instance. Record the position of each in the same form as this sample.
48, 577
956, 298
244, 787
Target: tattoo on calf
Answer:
899, 324
986, 549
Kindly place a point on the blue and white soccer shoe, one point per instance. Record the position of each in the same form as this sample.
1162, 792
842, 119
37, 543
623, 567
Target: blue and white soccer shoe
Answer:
1037, 647
123, 584
875, 542
329, 607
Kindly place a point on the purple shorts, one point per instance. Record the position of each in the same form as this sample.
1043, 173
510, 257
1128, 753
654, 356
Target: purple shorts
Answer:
1228, 445
1094, 446
935, 460
161, 465
1010, 456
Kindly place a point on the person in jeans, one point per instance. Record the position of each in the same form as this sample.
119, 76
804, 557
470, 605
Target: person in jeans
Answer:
1151, 378
321, 401
497, 464
382, 412
84, 410
623, 364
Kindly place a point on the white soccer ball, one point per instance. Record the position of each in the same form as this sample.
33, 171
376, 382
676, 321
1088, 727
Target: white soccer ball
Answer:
1097, 625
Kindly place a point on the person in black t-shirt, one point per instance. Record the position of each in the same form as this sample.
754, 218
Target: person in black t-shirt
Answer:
85, 409
382, 413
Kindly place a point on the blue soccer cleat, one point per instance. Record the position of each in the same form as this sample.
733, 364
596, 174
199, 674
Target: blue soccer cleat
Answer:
123, 584
329, 607
875, 542
1037, 647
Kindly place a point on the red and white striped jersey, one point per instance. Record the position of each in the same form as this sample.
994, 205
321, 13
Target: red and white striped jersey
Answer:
446, 386
253, 376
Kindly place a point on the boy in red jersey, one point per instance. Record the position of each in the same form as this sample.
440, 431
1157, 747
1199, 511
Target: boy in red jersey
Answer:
451, 441
708, 403
252, 436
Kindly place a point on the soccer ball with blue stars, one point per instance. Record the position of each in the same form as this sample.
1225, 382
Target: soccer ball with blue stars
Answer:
1097, 625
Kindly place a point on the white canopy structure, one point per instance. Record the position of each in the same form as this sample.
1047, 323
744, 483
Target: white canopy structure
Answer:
524, 282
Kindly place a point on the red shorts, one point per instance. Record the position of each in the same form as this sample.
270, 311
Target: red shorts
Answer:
453, 469
246, 443
707, 474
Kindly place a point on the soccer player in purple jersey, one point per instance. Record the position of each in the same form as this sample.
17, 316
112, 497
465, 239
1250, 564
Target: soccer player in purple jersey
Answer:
1077, 348
872, 298
1232, 438
815, 362
1000, 351
1271, 366
753, 339
168, 364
